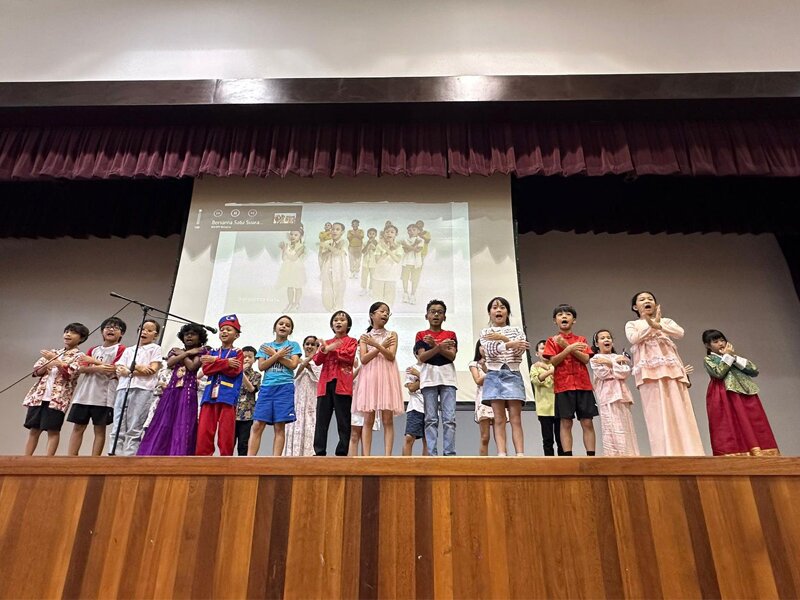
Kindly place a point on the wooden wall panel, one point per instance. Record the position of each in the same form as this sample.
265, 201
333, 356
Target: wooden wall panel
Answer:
386, 528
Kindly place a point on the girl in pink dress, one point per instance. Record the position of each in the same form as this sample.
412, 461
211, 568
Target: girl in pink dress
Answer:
378, 387
614, 399
662, 381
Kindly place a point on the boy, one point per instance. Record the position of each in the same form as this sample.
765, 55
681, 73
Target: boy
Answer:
415, 413
97, 386
247, 400
355, 243
569, 354
368, 262
436, 349
49, 398
223, 367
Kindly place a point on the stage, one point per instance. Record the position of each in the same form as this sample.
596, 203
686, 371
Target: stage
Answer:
399, 527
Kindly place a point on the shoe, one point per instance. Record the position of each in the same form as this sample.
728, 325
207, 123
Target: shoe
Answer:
412, 299
405, 298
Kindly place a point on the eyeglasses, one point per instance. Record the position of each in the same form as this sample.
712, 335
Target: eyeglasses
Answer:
435, 311
116, 327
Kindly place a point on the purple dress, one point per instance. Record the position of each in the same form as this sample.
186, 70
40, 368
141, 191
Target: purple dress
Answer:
173, 430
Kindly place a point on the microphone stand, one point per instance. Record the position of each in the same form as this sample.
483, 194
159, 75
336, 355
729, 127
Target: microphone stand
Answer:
146, 309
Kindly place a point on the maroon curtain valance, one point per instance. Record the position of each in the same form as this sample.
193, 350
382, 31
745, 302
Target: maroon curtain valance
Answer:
708, 147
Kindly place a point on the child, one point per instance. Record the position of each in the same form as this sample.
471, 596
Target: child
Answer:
223, 368
426, 239
137, 381
275, 404
378, 389
333, 257
247, 400
97, 385
300, 434
736, 418
542, 381
484, 416
355, 244
388, 255
368, 261
173, 429
411, 263
614, 399
292, 274
569, 354
415, 413
436, 349
335, 386
662, 380
503, 346
49, 398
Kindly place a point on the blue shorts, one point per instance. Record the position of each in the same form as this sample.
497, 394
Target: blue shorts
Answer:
275, 404
415, 424
504, 384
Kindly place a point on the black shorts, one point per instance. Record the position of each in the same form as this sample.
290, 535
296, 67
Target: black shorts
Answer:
415, 424
576, 402
44, 418
80, 414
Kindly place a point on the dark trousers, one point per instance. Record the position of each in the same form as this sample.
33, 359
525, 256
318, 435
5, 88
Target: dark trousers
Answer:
551, 431
243, 436
327, 405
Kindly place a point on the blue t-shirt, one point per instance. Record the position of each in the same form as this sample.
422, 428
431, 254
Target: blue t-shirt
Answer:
278, 374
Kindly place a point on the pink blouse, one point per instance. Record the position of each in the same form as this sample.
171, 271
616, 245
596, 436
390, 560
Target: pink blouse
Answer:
609, 381
655, 355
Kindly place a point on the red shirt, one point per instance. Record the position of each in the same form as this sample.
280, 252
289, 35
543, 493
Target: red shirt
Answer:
571, 374
440, 336
337, 364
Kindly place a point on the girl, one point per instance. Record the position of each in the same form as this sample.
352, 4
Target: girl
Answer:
388, 255
662, 380
368, 262
483, 414
335, 386
736, 419
292, 274
378, 388
300, 434
334, 269
542, 380
503, 346
411, 263
614, 399
277, 360
173, 429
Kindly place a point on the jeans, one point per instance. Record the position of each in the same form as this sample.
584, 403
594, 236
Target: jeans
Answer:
444, 397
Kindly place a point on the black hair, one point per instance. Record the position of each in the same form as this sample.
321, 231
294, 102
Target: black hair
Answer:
346, 316
156, 323
372, 229
114, 322
275, 324
391, 226
712, 335
539, 342
249, 349
78, 328
565, 308
201, 333
595, 347
477, 356
313, 337
375, 306
505, 303
636, 295
340, 225
434, 302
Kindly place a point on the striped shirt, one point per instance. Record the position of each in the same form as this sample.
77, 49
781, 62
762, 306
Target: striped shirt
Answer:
496, 353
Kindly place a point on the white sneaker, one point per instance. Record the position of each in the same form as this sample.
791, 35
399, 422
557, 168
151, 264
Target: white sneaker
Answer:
412, 299
405, 298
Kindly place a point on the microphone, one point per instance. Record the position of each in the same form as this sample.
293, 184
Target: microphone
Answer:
209, 328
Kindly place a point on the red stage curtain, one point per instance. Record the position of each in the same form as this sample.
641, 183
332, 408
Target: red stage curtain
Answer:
708, 147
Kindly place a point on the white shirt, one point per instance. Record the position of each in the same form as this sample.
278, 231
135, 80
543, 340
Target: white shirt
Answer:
98, 389
415, 400
149, 353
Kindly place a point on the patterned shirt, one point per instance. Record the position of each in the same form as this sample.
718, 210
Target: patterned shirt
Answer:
247, 400
58, 384
571, 374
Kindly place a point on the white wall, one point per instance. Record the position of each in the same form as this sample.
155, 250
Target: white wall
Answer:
205, 39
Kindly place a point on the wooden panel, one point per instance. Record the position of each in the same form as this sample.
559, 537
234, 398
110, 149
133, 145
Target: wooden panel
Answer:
488, 528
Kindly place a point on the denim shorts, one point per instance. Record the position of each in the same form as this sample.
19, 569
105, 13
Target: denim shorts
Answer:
503, 384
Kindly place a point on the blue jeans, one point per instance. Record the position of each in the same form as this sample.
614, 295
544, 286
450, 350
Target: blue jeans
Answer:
446, 396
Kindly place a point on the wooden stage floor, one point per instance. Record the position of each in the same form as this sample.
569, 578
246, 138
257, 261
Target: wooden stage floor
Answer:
399, 527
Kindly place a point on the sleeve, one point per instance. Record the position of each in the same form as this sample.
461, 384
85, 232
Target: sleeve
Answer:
296, 351
123, 358
492, 348
747, 367
455, 338
220, 365
261, 353
255, 379
550, 348
671, 328
636, 331
346, 353
319, 356
588, 351
157, 355
70, 371
39, 363
601, 370
716, 369
420, 345
621, 370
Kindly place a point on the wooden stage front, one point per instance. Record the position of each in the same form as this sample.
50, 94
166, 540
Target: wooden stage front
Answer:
399, 527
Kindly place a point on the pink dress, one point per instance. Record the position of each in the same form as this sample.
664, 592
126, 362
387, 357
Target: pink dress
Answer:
664, 388
378, 384
614, 401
